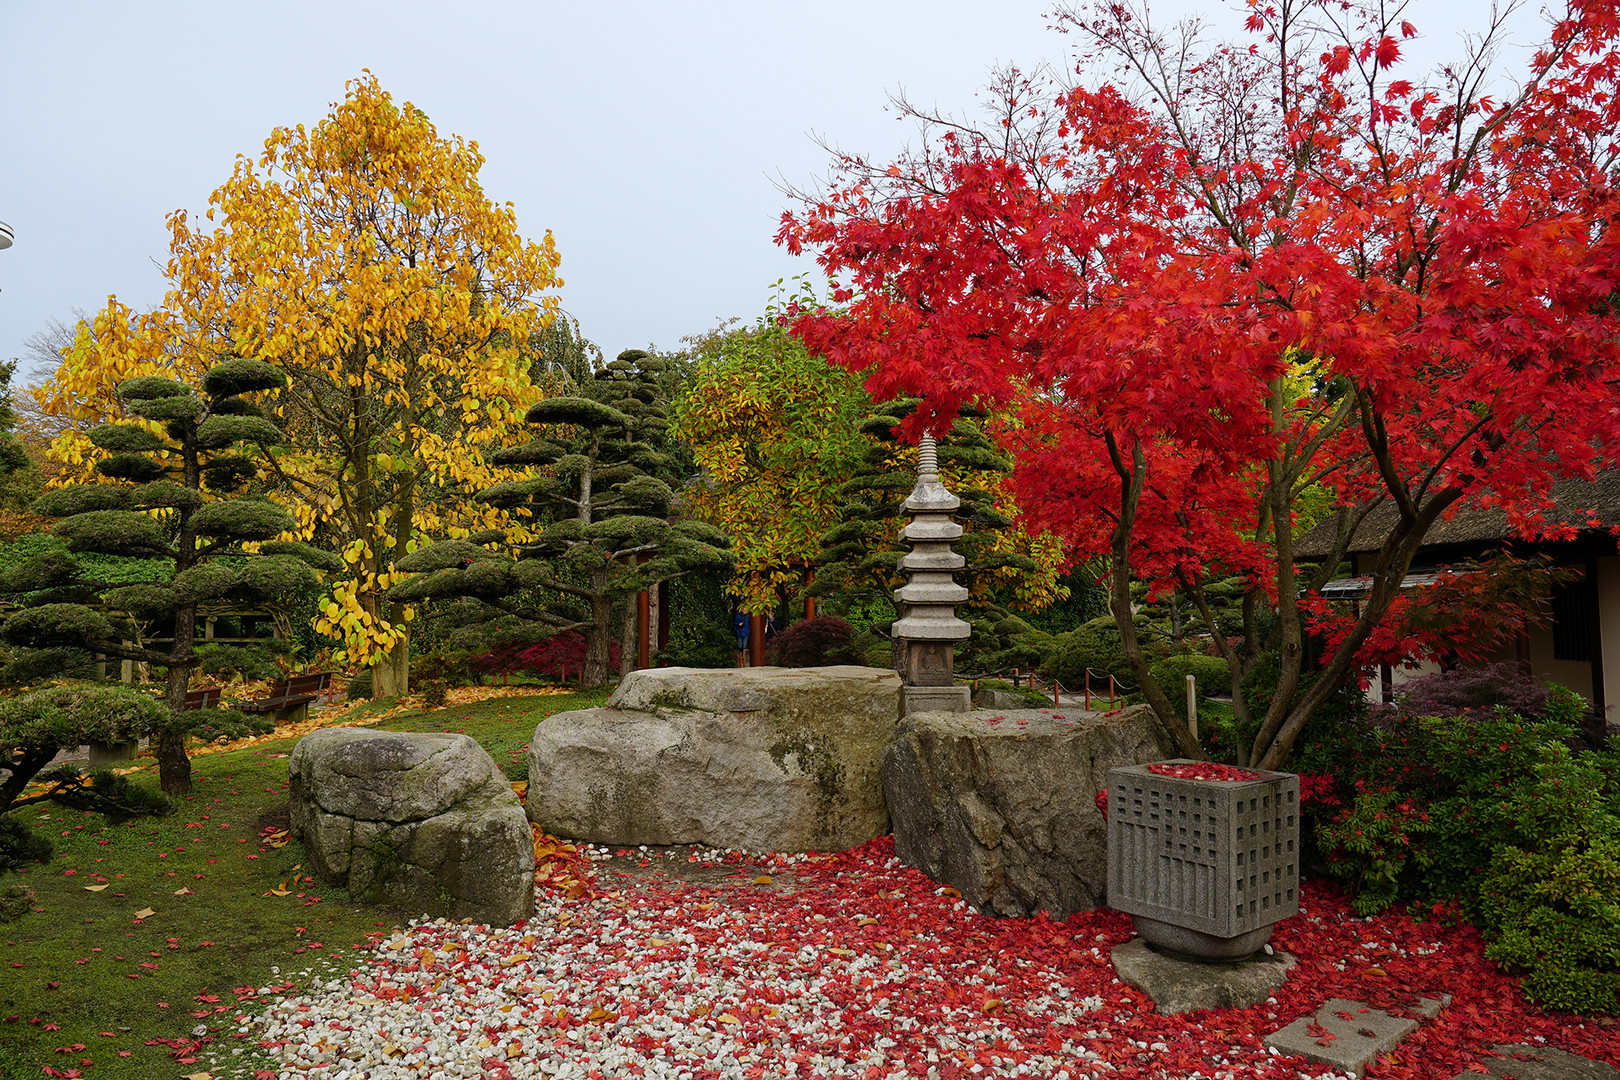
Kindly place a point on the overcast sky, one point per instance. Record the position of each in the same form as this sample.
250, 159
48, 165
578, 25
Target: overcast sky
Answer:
647, 136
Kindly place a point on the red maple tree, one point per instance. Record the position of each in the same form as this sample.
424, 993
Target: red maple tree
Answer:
1261, 266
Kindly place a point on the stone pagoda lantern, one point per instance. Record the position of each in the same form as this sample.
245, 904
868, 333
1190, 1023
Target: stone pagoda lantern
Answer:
928, 626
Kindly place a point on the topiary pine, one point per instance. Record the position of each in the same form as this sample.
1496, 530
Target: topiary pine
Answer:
175, 498
35, 727
600, 498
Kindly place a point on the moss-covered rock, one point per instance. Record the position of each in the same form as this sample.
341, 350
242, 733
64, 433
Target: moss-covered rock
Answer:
763, 759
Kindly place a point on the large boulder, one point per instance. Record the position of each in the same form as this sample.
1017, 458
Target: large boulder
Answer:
1002, 806
759, 759
422, 823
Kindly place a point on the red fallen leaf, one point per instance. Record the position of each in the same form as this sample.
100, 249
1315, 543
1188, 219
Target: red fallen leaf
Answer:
1202, 770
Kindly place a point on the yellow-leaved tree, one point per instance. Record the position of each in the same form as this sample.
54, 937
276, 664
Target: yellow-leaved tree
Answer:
363, 258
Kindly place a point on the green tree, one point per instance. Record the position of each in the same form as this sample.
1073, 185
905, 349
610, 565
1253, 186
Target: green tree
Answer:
176, 499
35, 727
600, 502
775, 431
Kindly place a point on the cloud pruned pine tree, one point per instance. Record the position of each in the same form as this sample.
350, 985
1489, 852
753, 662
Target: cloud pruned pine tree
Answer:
600, 499
176, 476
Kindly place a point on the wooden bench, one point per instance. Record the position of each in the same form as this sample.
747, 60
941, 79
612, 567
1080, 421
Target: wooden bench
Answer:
289, 699
205, 698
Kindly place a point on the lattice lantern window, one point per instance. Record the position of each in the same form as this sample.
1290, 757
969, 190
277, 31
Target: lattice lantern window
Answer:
1205, 868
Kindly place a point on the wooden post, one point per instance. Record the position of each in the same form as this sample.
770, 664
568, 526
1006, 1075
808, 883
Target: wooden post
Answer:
809, 601
663, 615
643, 613
756, 640
1192, 705
1056, 686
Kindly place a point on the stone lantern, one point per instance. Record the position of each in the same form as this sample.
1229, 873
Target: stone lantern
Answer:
928, 626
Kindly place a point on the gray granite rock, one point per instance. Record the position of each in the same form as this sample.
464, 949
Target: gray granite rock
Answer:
1522, 1061
422, 823
761, 759
1179, 986
1006, 811
1344, 1035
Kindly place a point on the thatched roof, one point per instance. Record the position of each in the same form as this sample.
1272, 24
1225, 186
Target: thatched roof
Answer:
1575, 502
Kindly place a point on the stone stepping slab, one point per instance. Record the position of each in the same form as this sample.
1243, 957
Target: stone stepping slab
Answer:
1347, 1035
1521, 1061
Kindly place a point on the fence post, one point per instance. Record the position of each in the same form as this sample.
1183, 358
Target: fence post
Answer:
1192, 705
1056, 686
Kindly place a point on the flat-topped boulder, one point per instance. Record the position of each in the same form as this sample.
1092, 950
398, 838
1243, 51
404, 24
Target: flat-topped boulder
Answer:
758, 759
1002, 804
424, 823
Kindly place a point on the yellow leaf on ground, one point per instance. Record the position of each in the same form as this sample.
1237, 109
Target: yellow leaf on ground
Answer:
182, 891
94, 888
763, 879
991, 1003
513, 1049
727, 1018
658, 942
868, 921
842, 952
145, 913
600, 1015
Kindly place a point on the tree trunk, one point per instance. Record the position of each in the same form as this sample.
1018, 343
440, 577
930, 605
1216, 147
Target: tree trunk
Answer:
599, 636
629, 636
391, 676
174, 767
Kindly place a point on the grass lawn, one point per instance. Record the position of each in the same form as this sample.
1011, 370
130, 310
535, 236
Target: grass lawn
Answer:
88, 983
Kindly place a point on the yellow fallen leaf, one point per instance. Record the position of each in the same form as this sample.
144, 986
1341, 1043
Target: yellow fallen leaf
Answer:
548, 997
94, 888
705, 907
198, 1076
515, 958
278, 892
398, 943
727, 1018
842, 952
513, 1049
182, 891
868, 921
991, 1003
773, 1012
658, 942
392, 1051
600, 1015
484, 1043
763, 879
145, 913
